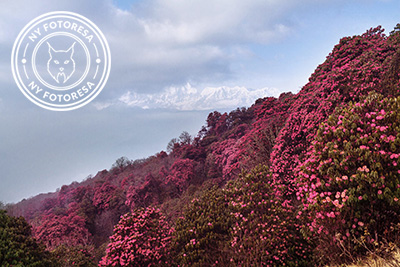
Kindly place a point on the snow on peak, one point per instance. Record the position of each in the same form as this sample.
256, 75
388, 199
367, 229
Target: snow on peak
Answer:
190, 98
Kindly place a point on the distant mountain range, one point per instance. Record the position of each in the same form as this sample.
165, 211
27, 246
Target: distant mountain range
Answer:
190, 98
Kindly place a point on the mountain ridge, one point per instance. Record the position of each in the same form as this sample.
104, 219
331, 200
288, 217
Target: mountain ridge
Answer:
190, 98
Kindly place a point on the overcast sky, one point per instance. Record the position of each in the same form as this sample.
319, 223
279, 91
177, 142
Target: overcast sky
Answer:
164, 51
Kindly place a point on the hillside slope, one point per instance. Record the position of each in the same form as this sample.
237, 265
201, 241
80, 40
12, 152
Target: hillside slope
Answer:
275, 132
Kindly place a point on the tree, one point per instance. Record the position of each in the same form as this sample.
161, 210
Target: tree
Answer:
140, 238
121, 163
172, 144
17, 245
185, 138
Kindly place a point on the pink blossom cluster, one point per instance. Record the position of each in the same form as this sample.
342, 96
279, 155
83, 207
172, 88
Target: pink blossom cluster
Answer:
349, 185
140, 239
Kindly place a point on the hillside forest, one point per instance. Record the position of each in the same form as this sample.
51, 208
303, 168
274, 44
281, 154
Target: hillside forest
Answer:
305, 179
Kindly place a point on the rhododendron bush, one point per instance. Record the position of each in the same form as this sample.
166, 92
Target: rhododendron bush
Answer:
201, 234
350, 184
265, 231
56, 230
182, 171
247, 224
356, 66
140, 239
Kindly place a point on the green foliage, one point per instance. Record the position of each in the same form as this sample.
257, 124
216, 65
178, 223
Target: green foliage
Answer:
265, 230
17, 246
66, 256
202, 233
247, 224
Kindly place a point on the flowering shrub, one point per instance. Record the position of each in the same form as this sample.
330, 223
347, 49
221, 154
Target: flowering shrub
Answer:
265, 231
108, 196
247, 224
181, 172
270, 115
147, 194
55, 230
140, 239
356, 66
350, 184
225, 155
201, 234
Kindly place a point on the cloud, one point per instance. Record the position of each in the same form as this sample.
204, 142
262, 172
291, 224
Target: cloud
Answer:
190, 98
162, 43
158, 44
214, 22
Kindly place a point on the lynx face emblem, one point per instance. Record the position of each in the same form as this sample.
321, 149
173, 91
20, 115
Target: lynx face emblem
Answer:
61, 64
61, 61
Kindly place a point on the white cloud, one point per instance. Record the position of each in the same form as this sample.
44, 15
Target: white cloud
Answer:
190, 98
101, 105
200, 21
163, 43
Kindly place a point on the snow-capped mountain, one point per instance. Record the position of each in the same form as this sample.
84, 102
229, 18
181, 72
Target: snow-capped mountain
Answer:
190, 98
